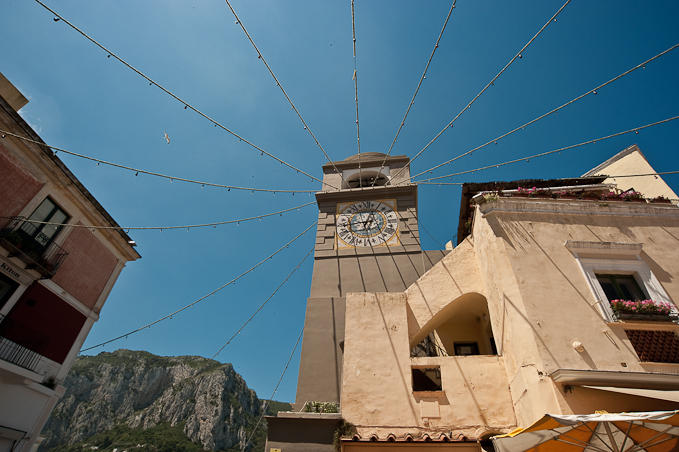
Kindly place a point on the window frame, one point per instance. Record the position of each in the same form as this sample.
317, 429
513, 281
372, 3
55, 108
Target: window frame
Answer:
617, 287
423, 370
474, 345
39, 227
643, 276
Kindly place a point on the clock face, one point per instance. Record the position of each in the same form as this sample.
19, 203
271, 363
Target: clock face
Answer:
366, 224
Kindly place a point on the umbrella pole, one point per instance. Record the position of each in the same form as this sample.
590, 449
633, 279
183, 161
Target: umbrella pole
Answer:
610, 437
629, 429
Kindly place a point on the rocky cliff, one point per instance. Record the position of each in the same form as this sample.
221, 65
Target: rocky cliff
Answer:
112, 398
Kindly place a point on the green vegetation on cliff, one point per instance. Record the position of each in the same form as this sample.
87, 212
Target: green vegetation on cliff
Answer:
136, 401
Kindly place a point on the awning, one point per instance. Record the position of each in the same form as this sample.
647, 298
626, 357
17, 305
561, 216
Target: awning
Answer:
655, 431
672, 396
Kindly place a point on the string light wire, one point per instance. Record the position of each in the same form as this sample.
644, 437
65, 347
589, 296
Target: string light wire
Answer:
280, 85
424, 76
358, 131
169, 316
265, 302
450, 124
591, 91
143, 228
183, 102
150, 173
496, 165
266, 404
662, 173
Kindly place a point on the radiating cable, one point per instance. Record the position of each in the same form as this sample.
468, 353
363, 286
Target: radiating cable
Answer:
424, 76
591, 91
497, 165
660, 173
279, 85
161, 228
358, 131
439, 183
169, 316
518, 55
643, 175
266, 404
186, 104
265, 302
150, 173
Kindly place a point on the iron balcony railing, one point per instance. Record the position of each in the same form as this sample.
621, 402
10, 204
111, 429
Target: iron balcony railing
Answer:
22, 239
21, 345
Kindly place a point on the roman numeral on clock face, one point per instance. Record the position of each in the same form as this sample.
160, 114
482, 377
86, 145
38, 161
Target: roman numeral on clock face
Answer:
366, 224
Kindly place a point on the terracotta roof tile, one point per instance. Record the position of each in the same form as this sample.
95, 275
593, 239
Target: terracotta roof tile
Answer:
410, 438
655, 346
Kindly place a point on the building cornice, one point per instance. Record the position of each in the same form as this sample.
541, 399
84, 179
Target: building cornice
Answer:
579, 207
618, 248
642, 380
365, 162
358, 194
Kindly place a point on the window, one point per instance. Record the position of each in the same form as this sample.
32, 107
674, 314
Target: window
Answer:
7, 288
621, 274
466, 348
427, 379
48, 212
623, 287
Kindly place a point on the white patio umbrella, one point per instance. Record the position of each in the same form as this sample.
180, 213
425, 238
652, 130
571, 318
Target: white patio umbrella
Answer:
653, 431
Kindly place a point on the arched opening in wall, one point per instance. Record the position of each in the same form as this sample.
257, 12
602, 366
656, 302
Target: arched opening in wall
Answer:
462, 328
365, 178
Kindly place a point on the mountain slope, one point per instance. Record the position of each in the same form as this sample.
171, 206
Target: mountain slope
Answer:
117, 399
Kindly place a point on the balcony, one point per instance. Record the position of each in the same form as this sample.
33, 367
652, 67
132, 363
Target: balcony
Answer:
21, 345
38, 253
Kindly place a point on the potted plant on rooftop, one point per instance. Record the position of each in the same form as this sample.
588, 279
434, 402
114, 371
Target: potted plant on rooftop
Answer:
540, 193
566, 194
611, 196
487, 196
523, 192
661, 200
589, 196
632, 195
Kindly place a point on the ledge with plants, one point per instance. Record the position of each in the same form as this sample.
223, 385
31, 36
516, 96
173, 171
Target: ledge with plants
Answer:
643, 310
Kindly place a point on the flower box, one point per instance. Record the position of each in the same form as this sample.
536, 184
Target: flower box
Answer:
643, 310
661, 201
647, 317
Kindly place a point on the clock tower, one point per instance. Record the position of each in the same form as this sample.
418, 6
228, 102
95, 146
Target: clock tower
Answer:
367, 241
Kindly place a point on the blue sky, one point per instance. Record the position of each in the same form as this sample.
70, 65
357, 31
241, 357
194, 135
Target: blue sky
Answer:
84, 102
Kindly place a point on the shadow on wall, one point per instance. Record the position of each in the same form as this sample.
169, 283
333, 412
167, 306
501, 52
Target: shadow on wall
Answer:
461, 328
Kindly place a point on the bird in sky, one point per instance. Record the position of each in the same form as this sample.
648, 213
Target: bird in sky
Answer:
167, 138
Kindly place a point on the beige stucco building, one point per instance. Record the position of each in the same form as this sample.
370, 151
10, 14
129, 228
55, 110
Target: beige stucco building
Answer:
513, 322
